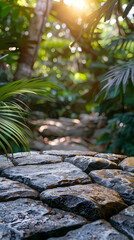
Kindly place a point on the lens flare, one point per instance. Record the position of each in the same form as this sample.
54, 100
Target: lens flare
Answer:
79, 4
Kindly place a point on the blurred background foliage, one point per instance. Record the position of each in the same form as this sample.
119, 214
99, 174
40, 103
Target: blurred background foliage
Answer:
79, 60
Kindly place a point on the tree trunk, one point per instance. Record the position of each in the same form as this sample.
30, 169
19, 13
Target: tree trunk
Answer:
29, 53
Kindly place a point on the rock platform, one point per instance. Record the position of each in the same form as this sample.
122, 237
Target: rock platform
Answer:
66, 195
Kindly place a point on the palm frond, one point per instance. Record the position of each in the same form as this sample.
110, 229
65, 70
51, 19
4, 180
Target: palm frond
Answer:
12, 126
34, 86
128, 8
117, 76
121, 44
106, 11
12, 116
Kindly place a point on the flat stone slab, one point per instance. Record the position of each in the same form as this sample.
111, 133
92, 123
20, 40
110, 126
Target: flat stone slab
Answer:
121, 181
6, 233
91, 201
4, 163
98, 230
124, 221
31, 218
41, 177
36, 159
69, 153
112, 157
11, 190
22, 154
127, 164
88, 164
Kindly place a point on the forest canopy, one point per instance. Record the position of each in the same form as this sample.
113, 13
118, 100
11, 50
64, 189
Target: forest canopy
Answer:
85, 48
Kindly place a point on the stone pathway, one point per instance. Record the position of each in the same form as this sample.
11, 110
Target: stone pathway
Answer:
68, 134
67, 195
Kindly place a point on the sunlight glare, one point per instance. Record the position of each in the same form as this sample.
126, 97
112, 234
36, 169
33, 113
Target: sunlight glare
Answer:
79, 4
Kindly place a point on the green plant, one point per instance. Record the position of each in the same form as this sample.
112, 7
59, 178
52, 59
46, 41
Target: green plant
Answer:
119, 134
13, 126
99, 46
117, 95
118, 77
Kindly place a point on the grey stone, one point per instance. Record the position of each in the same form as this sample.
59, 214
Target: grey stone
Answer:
127, 164
69, 122
7, 233
89, 120
112, 157
88, 164
69, 153
91, 201
11, 190
67, 143
52, 130
36, 159
22, 154
121, 181
49, 121
98, 230
31, 218
124, 221
78, 131
4, 163
41, 177
37, 145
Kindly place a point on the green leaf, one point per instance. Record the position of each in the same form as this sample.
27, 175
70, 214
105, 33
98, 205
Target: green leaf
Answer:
12, 115
117, 76
5, 11
110, 10
6, 142
128, 8
3, 56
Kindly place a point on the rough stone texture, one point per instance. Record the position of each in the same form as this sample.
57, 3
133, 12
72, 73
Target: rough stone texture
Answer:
4, 163
66, 186
88, 164
41, 177
6, 233
91, 201
69, 153
11, 190
121, 181
124, 221
98, 230
112, 157
127, 164
31, 218
36, 159
22, 154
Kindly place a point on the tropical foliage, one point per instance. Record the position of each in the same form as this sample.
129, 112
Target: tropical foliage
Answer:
119, 134
13, 115
90, 55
